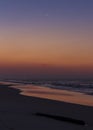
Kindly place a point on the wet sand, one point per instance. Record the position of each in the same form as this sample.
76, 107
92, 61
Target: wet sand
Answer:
55, 94
19, 112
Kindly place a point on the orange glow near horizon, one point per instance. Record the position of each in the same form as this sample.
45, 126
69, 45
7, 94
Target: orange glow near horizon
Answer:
45, 47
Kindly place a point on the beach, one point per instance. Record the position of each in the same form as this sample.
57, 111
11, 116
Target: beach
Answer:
20, 112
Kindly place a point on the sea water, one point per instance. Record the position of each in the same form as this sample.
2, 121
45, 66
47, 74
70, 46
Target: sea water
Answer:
72, 91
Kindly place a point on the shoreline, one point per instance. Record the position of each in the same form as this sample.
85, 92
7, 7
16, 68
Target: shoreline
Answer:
18, 112
55, 94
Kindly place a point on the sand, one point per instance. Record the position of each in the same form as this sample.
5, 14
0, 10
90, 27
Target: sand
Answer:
19, 112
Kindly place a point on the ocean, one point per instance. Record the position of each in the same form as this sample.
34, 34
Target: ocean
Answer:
81, 86
72, 91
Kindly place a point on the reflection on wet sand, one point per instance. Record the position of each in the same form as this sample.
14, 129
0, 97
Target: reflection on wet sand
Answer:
56, 94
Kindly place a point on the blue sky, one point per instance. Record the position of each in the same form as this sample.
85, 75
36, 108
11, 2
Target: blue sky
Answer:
57, 10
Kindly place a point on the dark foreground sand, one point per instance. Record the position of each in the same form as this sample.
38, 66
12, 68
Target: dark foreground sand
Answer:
18, 112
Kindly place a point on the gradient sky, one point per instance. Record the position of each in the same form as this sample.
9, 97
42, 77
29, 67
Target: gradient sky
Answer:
46, 38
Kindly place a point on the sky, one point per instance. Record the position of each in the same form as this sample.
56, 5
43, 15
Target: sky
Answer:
46, 38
